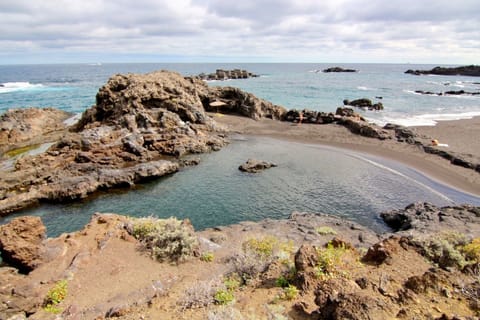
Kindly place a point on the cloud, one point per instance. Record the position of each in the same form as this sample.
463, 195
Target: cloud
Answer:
301, 30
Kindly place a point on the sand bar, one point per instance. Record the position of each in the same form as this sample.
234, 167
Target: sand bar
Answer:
461, 136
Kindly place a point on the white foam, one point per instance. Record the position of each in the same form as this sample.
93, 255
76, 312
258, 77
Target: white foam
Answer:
425, 119
364, 88
18, 86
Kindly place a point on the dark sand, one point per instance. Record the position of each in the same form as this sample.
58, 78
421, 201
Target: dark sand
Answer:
462, 136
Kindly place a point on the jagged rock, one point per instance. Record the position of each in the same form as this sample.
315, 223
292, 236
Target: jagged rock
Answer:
338, 69
381, 252
236, 101
426, 217
364, 103
472, 70
364, 128
254, 166
21, 242
309, 116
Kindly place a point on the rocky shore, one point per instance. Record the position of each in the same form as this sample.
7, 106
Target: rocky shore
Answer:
141, 128
310, 266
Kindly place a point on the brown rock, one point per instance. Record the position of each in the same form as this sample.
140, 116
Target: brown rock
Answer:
21, 242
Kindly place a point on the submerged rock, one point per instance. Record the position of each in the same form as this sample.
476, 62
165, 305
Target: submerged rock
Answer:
254, 166
221, 74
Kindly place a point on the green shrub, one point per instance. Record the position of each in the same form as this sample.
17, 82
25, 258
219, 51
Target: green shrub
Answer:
223, 297
282, 282
232, 282
325, 231
207, 257
329, 259
165, 239
472, 250
290, 292
54, 296
445, 250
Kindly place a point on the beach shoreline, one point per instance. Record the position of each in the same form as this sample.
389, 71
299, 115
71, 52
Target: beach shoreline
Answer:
460, 135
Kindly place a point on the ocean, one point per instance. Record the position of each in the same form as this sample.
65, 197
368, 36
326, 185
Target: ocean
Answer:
309, 178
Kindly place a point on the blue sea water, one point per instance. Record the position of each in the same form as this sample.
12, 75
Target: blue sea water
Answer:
309, 177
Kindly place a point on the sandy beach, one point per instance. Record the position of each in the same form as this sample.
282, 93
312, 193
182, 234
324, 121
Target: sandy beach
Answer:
461, 136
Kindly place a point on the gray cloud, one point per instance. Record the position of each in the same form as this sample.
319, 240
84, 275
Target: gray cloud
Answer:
359, 30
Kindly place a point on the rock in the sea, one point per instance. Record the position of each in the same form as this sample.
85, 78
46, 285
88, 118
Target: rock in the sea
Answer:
21, 242
254, 166
472, 70
364, 103
338, 69
221, 74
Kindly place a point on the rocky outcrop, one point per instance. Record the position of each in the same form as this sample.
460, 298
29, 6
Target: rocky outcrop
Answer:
472, 70
21, 127
254, 166
21, 243
410, 136
429, 219
310, 116
221, 74
338, 69
364, 103
235, 101
448, 93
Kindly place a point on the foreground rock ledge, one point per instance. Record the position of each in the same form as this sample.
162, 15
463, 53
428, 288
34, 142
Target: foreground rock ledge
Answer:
109, 273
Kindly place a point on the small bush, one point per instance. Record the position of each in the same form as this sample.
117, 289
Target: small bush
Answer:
282, 282
262, 247
199, 295
232, 282
290, 292
444, 249
225, 313
207, 257
329, 259
325, 231
54, 296
472, 250
223, 297
165, 239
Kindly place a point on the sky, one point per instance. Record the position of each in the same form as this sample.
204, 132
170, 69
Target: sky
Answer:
364, 31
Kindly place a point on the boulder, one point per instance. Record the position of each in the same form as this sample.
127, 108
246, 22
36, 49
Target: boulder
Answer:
21, 243
254, 166
221, 74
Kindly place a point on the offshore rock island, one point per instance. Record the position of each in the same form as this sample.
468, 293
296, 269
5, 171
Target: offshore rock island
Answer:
472, 70
309, 266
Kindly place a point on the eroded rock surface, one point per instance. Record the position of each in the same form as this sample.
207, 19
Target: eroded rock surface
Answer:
21, 242
20, 127
471, 70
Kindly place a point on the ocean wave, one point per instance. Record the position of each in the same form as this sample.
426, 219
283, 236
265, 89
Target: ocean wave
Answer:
18, 86
429, 119
364, 88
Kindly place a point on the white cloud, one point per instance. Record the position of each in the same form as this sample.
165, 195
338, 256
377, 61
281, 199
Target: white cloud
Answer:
359, 30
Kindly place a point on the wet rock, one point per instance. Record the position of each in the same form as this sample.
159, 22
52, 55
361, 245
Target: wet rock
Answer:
364, 103
338, 69
254, 166
21, 243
